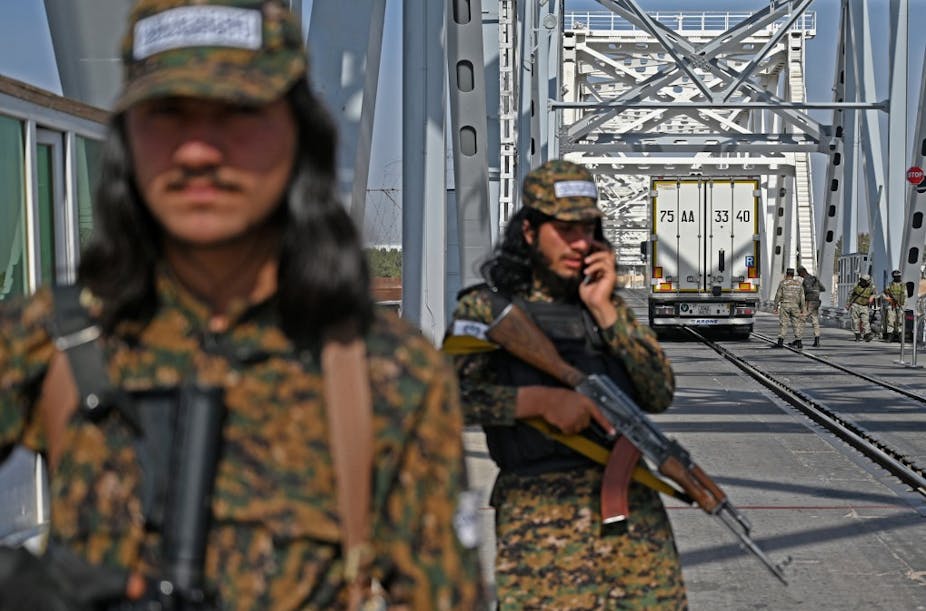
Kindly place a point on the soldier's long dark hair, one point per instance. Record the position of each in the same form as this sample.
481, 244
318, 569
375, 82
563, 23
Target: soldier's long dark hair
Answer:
323, 281
510, 269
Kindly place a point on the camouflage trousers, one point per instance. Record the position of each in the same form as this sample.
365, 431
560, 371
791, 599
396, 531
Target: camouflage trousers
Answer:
894, 320
790, 315
554, 554
813, 316
859, 314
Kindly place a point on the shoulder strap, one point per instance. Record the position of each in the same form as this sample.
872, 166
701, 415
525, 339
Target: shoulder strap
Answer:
76, 374
350, 418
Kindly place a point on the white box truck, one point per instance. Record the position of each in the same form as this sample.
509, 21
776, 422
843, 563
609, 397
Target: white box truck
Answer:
703, 268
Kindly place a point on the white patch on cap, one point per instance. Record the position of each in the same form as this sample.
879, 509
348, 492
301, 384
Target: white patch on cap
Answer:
575, 188
197, 26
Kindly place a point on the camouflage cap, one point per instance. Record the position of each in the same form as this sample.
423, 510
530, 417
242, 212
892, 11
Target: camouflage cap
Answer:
789, 271
241, 51
865, 277
563, 190
801, 268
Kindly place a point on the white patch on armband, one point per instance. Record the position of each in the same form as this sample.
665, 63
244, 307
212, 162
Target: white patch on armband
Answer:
197, 26
470, 327
575, 188
466, 519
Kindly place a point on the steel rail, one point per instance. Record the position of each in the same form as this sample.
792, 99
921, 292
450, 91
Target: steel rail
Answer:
849, 432
880, 382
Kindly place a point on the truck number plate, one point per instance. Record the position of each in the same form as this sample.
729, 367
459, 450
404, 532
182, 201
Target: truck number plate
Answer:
704, 309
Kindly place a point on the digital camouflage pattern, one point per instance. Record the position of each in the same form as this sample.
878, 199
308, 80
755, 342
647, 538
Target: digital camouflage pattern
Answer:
539, 191
551, 552
235, 75
789, 299
275, 538
557, 554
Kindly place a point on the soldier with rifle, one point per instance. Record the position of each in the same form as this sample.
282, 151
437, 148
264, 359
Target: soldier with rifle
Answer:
571, 533
229, 422
895, 296
860, 298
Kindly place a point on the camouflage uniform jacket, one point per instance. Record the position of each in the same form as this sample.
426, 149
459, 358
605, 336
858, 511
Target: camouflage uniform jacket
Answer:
274, 542
790, 293
861, 295
812, 288
485, 402
897, 292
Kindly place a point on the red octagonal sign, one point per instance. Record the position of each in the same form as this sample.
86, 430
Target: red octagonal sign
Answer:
915, 175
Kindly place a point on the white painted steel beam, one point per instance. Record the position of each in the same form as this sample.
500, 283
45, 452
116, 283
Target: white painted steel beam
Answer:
345, 46
835, 170
470, 133
424, 86
913, 243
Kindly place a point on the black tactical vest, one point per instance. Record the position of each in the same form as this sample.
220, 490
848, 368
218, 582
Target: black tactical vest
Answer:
521, 448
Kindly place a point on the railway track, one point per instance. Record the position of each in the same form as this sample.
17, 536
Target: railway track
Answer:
874, 380
857, 436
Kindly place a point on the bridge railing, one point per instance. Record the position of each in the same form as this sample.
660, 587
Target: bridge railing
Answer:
679, 21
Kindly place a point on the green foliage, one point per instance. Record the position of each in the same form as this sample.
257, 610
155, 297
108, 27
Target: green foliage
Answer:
384, 262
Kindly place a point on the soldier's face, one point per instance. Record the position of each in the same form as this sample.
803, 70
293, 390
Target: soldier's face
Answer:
563, 244
211, 172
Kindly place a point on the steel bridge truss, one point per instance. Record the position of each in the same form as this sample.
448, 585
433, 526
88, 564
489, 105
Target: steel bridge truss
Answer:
631, 94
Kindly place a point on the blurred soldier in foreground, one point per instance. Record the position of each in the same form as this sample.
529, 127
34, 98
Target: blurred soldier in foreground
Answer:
222, 280
789, 305
554, 551
812, 289
861, 296
895, 296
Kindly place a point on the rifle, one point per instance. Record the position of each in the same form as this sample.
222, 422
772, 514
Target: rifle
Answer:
514, 331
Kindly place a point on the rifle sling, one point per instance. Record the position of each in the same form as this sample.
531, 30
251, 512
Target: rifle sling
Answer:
588, 448
76, 374
350, 419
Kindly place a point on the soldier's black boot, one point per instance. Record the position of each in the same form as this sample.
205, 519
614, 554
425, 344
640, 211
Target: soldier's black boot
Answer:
794, 343
858, 337
816, 341
780, 344
896, 338
798, 344
868, 337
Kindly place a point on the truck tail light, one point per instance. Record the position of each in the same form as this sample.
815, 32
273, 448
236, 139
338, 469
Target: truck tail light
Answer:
752, 272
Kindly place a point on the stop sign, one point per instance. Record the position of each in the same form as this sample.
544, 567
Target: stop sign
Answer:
915, 175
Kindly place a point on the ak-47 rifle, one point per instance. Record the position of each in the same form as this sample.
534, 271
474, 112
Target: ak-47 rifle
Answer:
514, 331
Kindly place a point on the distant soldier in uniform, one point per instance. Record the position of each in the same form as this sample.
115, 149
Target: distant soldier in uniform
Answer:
789, 305
812, 289
222, 260
861, 296
553, 551
895, 296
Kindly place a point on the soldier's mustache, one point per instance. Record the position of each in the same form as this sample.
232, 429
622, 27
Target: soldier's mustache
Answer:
210, 174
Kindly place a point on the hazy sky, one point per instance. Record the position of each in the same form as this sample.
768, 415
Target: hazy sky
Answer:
25, 44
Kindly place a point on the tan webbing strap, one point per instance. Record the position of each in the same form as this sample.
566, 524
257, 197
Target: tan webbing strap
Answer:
350, 418
56, 404
589, 449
